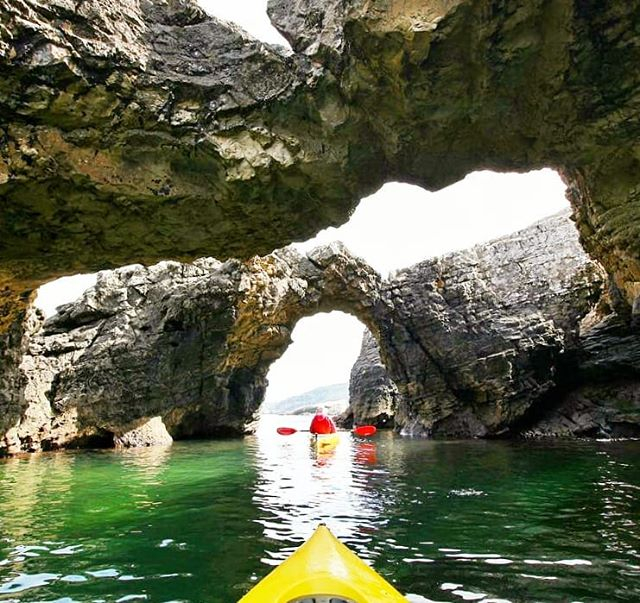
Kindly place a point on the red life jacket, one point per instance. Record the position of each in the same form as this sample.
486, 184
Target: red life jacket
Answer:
322, 424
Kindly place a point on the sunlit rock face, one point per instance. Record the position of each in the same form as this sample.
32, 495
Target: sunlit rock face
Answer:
479, 337
134, 131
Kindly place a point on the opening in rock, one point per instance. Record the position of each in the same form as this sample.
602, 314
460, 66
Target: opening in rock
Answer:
402, 224
251, 15
315, 368
62, 291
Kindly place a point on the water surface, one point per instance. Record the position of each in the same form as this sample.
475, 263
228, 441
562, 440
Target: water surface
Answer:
444, 521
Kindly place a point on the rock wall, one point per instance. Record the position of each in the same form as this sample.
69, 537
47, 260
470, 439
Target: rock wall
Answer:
477, 337
479, 343
188, 345
139, 130
600, 394
373, 395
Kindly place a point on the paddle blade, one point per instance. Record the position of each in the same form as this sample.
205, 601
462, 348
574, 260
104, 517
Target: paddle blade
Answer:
286, 430
365, 430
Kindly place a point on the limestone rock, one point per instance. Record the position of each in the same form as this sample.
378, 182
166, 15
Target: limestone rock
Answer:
476, 337
151, 433
601, 389
479, 343
609, 410
190, 343
373, 396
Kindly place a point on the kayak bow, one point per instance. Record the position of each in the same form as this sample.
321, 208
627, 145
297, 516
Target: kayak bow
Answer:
323, 569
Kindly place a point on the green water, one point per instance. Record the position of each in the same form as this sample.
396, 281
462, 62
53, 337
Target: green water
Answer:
445, 521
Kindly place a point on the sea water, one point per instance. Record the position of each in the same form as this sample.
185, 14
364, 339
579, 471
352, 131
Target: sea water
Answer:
448, 521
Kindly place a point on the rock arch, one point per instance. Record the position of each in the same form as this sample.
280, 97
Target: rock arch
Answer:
191, 343
474, 340
123, 139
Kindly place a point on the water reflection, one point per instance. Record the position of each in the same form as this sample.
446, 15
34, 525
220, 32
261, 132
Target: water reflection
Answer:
299, 487
448, 521
619, 510
36, 482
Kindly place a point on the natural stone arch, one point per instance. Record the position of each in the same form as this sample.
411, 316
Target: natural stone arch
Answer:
276, 292
474, 340
191, 343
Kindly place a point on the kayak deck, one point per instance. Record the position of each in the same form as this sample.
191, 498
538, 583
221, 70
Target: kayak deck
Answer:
323, 570
325, 442
321, 600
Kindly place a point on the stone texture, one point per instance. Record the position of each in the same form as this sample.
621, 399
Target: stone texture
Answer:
601, 394
479, 343
373, 396
593, 410
151, 433
137, 130
13, 346
479, 333
190, 343
509, 338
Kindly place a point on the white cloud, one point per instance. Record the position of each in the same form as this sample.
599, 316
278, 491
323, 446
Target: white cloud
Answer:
402, 224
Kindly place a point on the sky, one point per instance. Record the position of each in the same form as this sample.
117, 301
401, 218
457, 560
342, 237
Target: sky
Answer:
397, 226
251, 15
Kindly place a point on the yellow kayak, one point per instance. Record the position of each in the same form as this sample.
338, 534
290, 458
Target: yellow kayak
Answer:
323, 569
325, 442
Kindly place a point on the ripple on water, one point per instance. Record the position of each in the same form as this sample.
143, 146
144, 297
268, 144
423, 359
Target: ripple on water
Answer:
204, 521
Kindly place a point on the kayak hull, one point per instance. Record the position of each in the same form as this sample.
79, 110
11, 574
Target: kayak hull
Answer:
325, 568
325, 442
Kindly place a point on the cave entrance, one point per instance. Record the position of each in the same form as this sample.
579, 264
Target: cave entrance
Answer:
315, 368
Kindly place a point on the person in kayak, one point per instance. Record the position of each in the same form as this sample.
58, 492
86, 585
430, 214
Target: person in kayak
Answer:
322, 423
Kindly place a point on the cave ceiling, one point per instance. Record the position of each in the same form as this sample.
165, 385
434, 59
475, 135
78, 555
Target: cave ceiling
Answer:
134, 131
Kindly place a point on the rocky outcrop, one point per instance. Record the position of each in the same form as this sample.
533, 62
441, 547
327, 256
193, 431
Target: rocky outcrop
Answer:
151, 433
373, 396
145, 130
476, 343
187, 344
478, 337
600, 394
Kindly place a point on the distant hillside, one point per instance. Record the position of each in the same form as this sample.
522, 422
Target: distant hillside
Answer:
335, 397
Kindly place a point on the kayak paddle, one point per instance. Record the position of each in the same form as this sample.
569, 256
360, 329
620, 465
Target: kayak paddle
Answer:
362, 430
